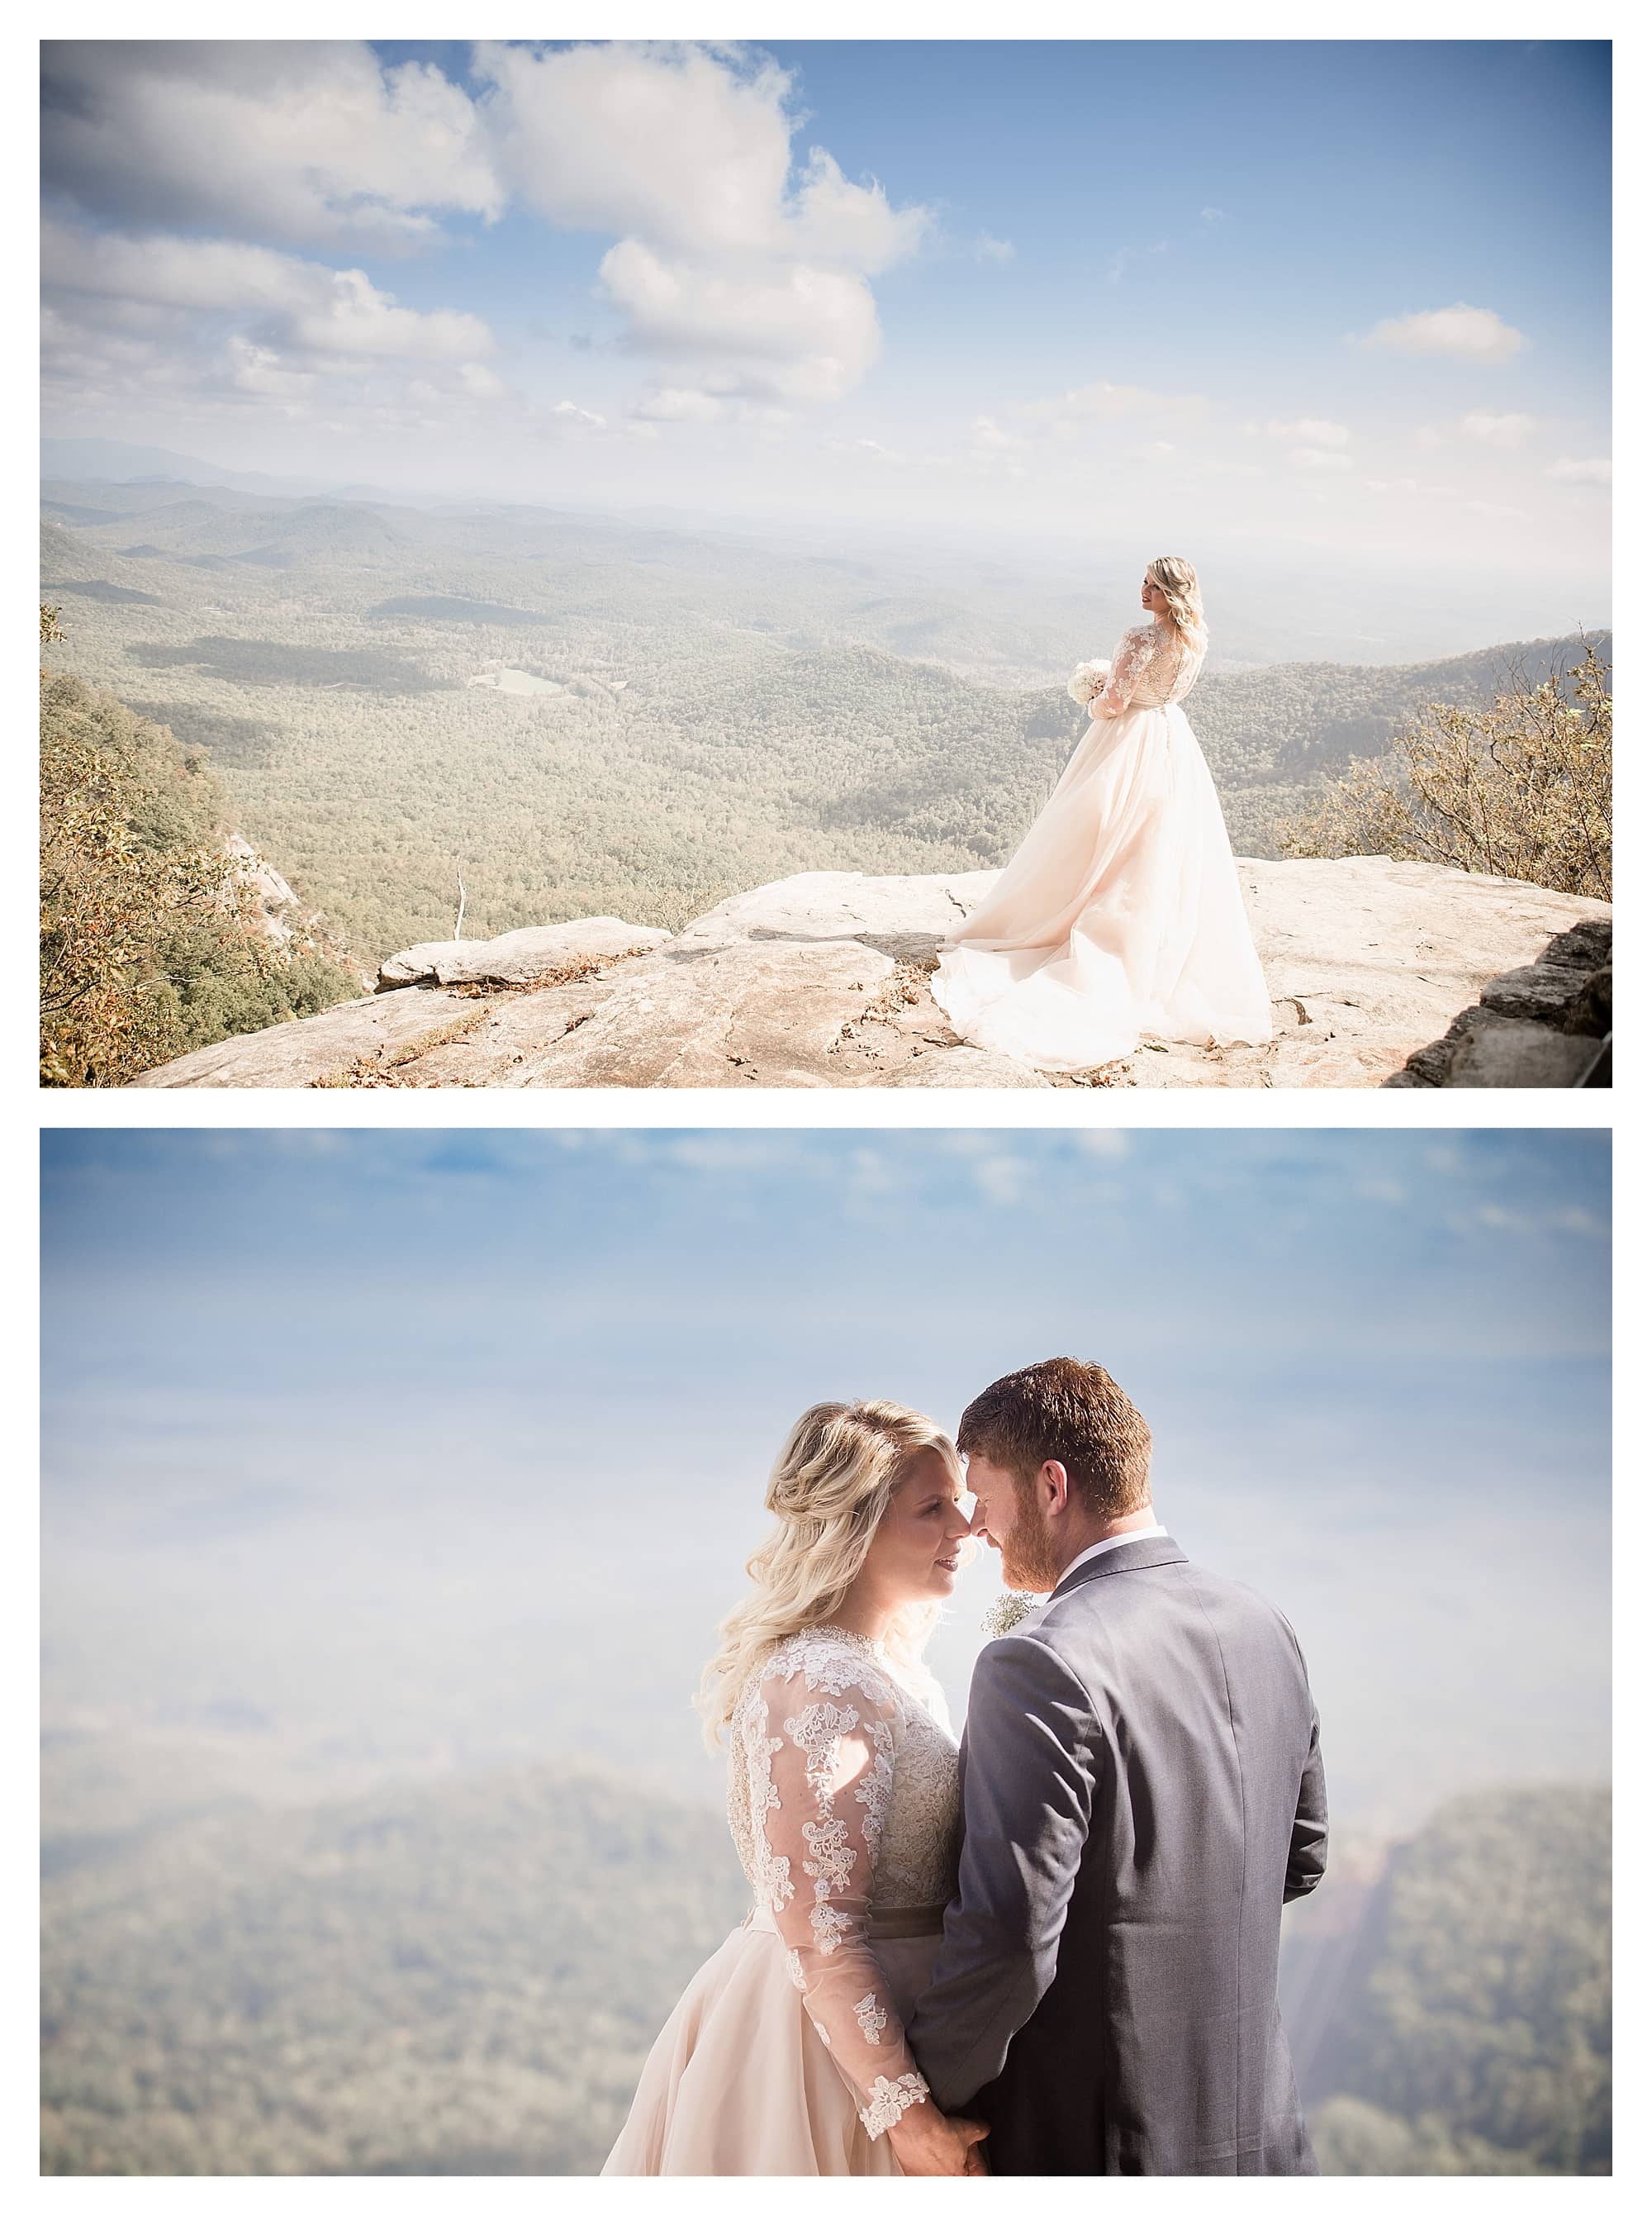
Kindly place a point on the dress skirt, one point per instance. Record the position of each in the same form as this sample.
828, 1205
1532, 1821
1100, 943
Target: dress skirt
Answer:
1119, 918
739, 2085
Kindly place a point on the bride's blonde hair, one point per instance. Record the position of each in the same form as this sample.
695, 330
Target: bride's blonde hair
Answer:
828, 1492
1179, 582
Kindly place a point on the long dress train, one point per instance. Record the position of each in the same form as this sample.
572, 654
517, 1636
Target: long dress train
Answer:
1119, 916
787, 2056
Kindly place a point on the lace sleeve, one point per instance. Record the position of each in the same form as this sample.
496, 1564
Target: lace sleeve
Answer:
831, 1750
1130, 657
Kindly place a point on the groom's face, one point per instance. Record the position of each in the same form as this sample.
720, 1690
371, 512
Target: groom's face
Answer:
1006, 1515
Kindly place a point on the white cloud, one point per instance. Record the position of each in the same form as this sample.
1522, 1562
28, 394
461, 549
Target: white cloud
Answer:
1473, 334
1004, 1179
1499, 430
1105, 403
298, 141
1212, 215
1112, 1145
1319, 457
672, 404
722, 263
987, 436
1595, 469
667, 144
1430, 440
1312, 431
480, 382
261, 373
782, 331
988, 248
837, 221
303, 305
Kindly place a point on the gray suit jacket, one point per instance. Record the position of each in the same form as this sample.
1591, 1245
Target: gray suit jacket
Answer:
1142, 1790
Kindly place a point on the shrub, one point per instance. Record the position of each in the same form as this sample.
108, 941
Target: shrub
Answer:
1520, 789
152, 941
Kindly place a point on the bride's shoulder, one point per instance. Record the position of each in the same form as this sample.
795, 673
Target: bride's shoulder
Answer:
828, 1660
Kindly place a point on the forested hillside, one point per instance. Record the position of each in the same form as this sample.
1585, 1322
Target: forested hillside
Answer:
463, 1977
152, 937
1463, 2023
453, 1981
594, 717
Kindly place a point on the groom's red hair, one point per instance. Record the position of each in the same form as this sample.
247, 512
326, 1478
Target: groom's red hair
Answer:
1068, 1412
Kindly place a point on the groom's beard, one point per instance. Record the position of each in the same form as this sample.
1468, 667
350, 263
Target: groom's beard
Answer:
1027, 1554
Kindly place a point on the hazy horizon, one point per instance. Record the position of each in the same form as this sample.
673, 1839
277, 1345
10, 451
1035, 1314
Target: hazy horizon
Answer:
442, 1448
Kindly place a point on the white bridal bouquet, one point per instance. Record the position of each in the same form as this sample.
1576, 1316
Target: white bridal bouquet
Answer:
1087, 680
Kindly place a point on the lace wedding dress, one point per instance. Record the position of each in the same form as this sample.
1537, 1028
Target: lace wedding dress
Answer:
1120, 917
787, 2055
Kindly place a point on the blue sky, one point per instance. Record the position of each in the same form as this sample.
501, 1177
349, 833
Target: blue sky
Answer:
1343, 295
446, 1395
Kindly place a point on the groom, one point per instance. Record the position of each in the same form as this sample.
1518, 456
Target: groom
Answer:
1142, 1790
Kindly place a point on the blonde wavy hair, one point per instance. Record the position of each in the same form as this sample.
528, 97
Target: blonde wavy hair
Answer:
827, 1492
1179, 582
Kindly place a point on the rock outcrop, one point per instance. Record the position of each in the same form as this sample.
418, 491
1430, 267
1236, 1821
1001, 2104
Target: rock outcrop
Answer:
821, 981
277, 901
1546, 1024
517, 958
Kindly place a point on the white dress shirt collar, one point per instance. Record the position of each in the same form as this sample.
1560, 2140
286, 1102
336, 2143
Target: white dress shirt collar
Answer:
1106, 1546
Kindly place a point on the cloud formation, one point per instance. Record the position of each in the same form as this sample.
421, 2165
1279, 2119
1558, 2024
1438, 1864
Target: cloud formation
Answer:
303, 142
1312, 431
302, 305
1470, 334
1596, 469
753, 285
1498, 430
747, 272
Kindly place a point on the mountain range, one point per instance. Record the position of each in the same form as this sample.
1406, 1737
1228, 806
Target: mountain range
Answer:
592, 716
462, 1978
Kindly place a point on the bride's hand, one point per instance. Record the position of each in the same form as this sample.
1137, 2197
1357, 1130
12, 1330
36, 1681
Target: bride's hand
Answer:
929, 2144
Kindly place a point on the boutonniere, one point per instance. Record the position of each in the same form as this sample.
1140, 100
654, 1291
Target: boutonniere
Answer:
1007, 1611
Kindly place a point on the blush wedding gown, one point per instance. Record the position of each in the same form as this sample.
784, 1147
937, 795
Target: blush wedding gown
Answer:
1119, 916
787, 2055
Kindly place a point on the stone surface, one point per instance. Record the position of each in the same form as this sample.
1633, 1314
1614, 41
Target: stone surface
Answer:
902, 917
517, 957
314, 1047
963, 1065
276, 898
822, 980
1539, 1025
724, 1015
1503, 1051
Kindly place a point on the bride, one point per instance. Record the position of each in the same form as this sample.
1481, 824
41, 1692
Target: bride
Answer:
787, 2055
1121, 915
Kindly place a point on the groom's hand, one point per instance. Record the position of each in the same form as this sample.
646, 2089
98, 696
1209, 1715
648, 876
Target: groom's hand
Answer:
926, 2143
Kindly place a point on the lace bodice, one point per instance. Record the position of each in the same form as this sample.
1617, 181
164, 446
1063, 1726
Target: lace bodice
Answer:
843, 1799
1154, 665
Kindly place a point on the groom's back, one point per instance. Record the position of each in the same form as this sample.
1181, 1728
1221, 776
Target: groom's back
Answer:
1158, 2048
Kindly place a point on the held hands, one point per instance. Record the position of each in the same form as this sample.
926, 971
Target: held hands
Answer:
929, 2144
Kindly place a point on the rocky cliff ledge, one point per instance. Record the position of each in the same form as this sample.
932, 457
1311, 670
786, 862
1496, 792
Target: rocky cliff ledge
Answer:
821, 979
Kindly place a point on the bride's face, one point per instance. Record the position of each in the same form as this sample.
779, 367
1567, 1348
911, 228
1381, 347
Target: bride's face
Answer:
918, 1549
1152, 597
